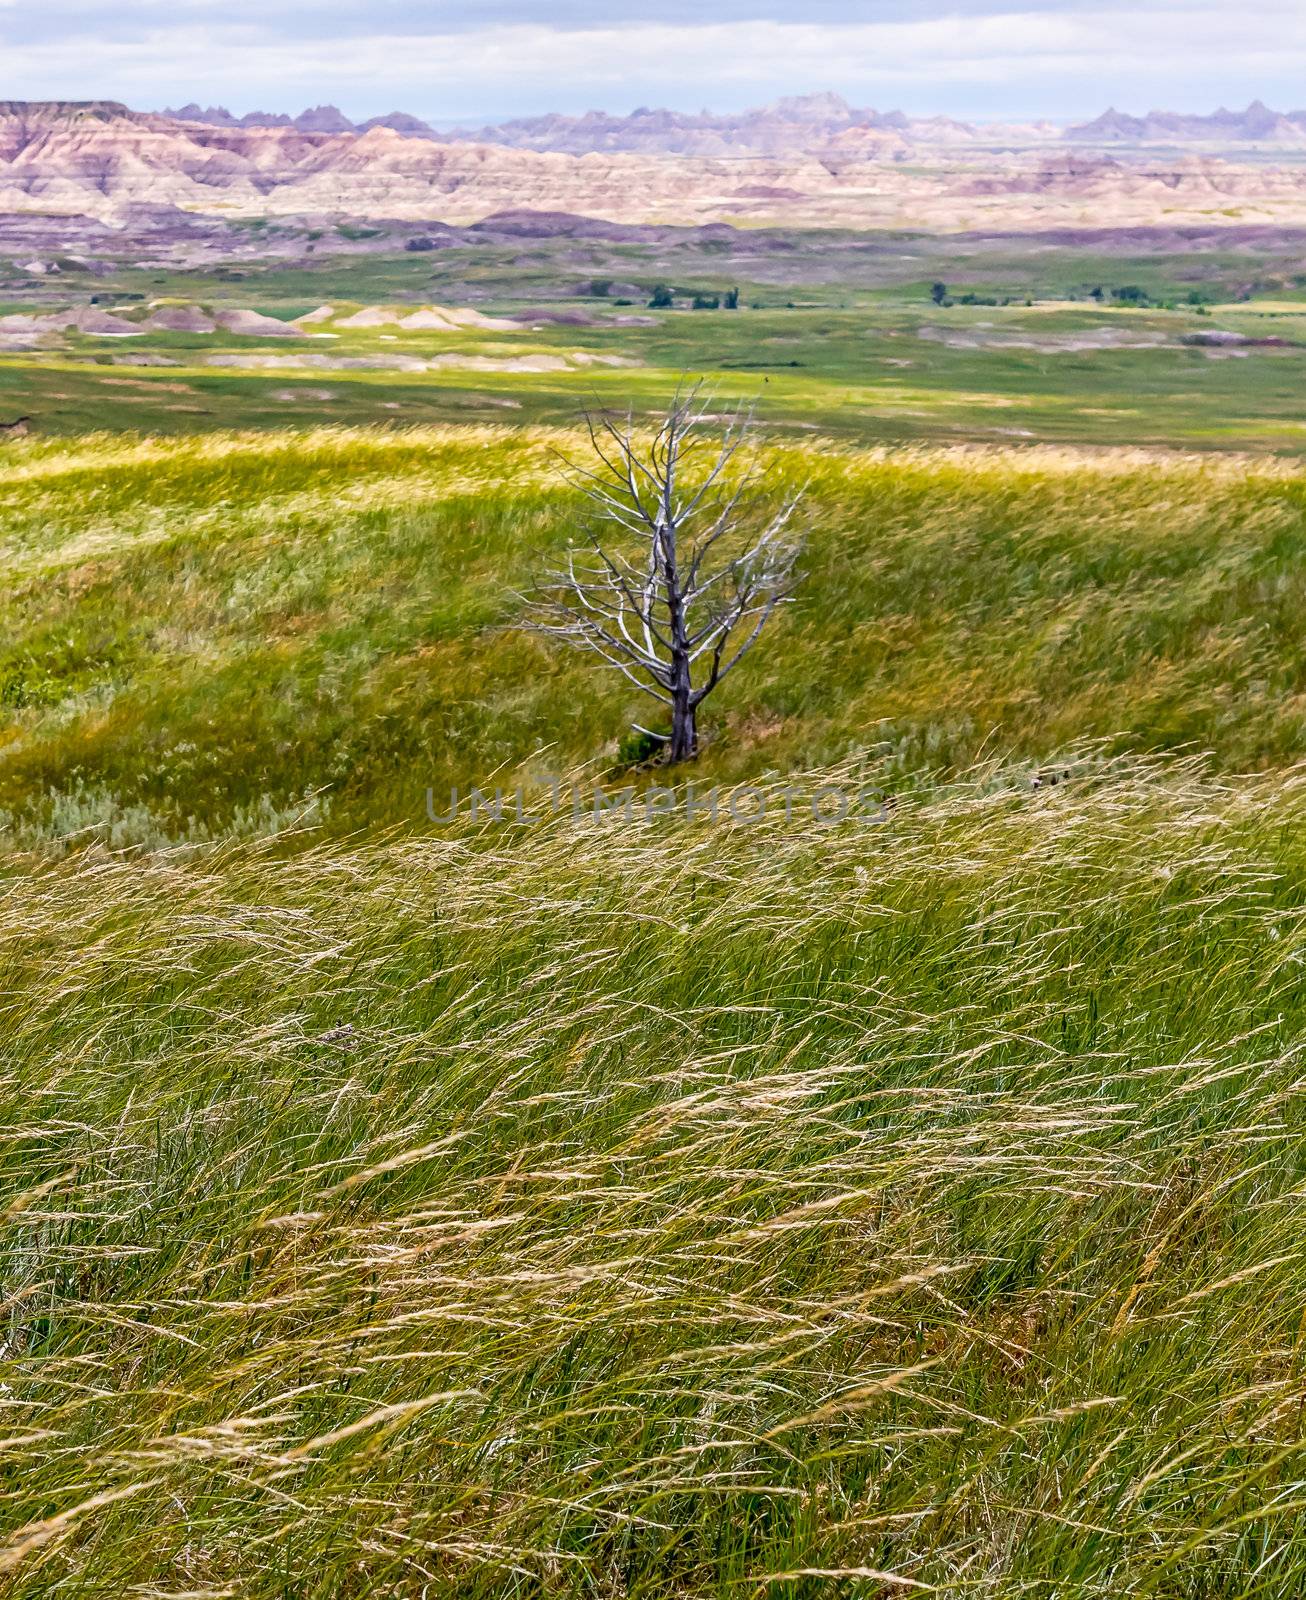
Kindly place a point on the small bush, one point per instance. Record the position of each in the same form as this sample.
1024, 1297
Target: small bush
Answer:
639, 748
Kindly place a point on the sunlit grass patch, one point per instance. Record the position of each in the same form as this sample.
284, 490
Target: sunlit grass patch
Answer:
200, 630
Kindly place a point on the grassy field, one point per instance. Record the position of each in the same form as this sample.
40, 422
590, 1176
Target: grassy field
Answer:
644, 1207
1067, 375
199, 634
838, 335
668, 1211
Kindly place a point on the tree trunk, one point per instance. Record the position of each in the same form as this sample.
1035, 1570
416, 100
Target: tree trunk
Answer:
684, 729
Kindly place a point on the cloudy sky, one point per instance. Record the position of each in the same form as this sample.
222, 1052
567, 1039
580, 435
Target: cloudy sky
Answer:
467, 60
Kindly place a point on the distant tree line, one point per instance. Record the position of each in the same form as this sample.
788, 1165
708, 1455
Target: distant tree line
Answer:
664, 299
1128, 294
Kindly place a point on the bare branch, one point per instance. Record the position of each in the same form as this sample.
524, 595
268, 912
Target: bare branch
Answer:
708, 556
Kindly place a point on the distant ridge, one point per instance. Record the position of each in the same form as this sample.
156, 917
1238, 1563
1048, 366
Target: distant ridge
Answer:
792, 125
66, 110
316, 119
1257, 125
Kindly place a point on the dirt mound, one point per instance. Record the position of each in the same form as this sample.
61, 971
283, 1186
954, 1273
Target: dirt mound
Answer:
85, 319
538, 316
444, 319
254, 322
181, 319
371, 317
433, 319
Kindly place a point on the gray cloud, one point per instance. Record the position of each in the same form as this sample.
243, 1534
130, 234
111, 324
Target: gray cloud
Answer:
503, 57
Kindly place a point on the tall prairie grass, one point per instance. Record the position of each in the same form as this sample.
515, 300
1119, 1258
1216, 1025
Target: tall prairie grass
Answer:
669, 1209
199, 637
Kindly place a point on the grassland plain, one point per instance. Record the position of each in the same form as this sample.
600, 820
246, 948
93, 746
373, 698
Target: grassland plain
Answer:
655, 1209
838, 332
200, 633
1063, 374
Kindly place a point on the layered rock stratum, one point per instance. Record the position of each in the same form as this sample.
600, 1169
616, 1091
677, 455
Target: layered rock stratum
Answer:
101, 161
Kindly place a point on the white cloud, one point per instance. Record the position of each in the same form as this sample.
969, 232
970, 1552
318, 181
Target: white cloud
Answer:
1109, 54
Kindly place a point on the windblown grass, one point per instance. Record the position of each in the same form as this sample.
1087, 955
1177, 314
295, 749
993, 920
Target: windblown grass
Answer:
203, 632
669, 1210
649, 1210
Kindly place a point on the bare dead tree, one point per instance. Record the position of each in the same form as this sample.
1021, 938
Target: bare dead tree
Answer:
684, 558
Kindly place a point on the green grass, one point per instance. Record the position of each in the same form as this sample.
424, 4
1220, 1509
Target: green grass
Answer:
828, 267
200, 633
629, 1209
837, 332
867, 375
668, 1210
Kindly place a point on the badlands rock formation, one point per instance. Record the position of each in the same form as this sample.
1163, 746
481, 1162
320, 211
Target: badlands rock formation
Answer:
103, 162
793, 126
1257, 125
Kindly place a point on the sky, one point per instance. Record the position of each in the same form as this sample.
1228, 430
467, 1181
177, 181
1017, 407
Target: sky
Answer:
468, 61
